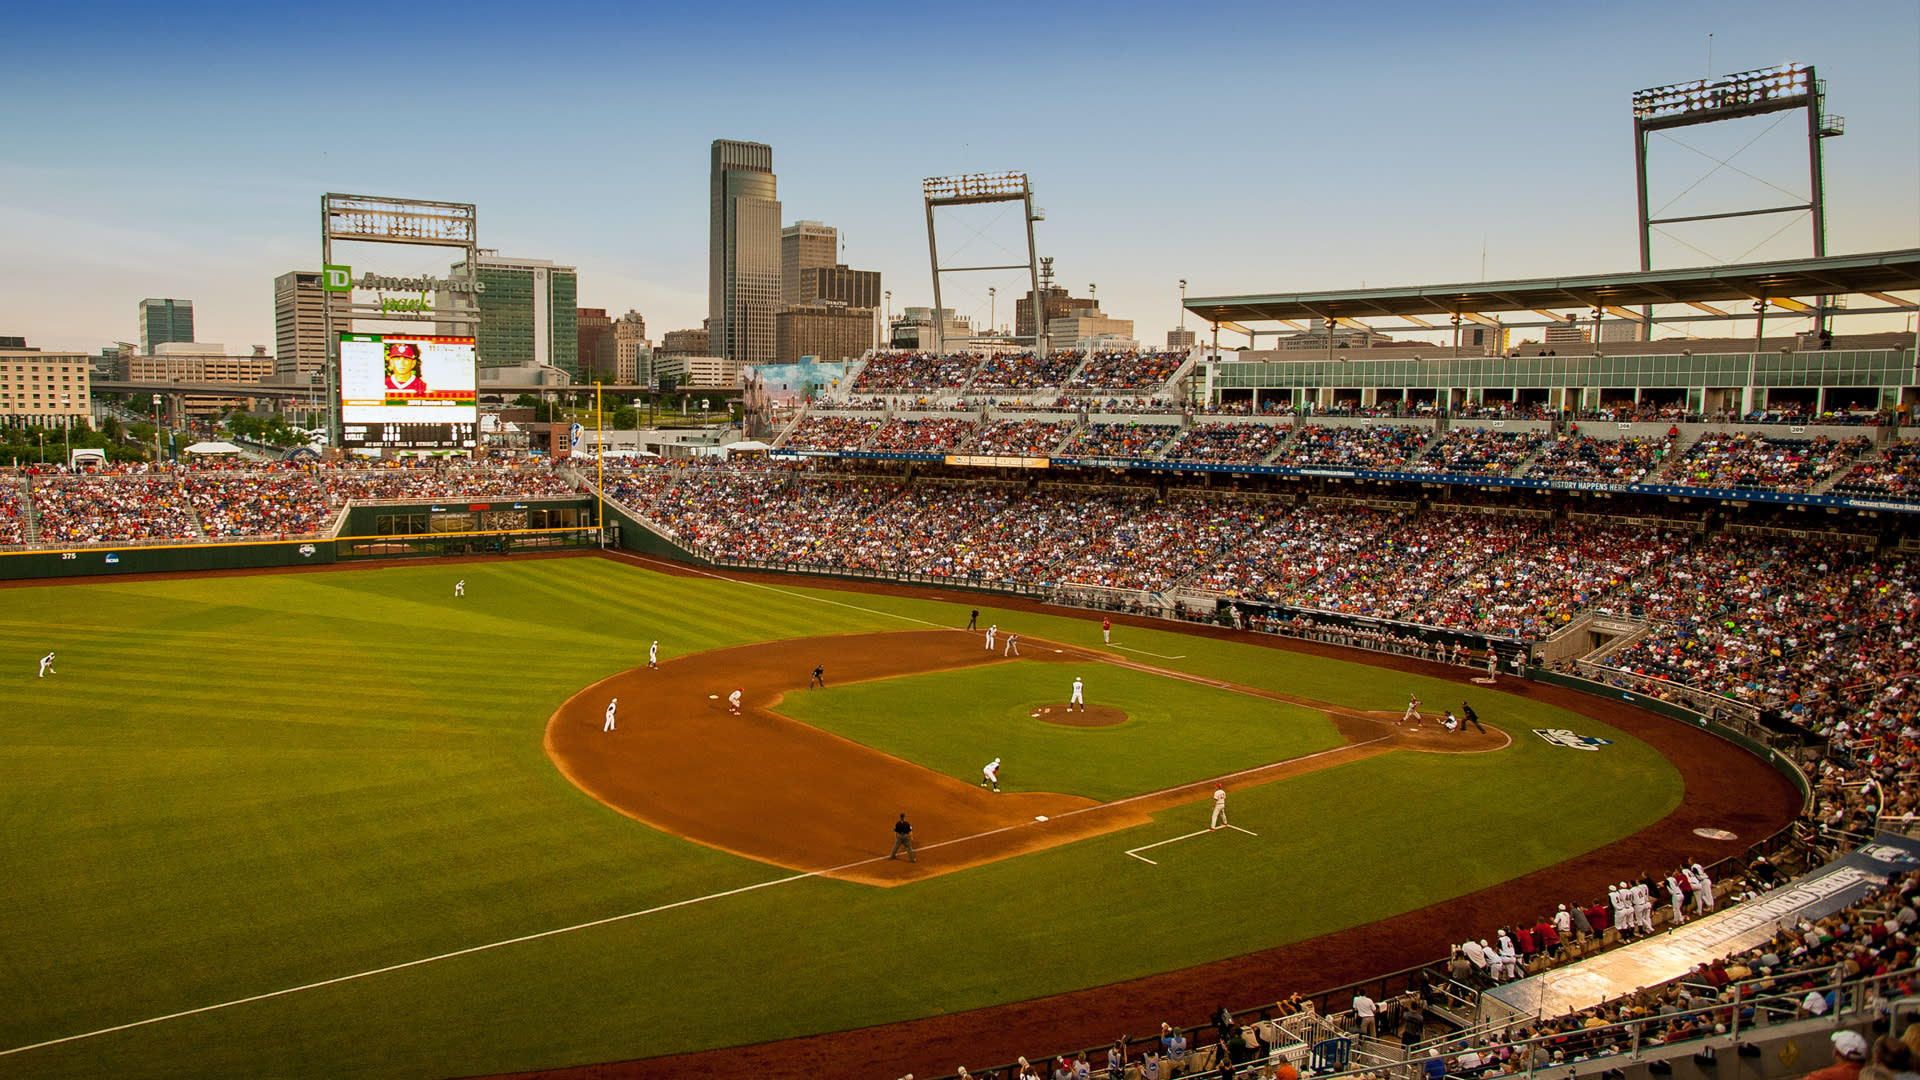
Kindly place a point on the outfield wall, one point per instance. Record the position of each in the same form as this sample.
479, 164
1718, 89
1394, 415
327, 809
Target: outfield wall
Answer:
359, 538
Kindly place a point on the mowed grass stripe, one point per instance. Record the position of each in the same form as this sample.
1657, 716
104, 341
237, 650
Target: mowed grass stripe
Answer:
400, 805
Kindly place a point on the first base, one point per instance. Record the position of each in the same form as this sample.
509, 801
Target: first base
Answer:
1040, 817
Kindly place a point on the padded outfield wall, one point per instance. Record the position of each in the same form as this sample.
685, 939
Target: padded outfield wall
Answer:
440, 532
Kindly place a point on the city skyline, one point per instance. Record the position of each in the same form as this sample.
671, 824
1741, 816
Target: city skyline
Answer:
1161, 147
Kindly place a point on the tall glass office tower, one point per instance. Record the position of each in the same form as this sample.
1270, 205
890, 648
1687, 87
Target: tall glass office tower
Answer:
743, 258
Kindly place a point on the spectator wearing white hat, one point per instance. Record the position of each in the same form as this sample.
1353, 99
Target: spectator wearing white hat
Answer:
1849, 1055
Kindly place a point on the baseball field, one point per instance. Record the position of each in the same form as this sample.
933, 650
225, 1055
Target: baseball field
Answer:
346, 824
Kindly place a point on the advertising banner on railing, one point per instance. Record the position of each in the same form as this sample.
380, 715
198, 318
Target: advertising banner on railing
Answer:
1738, 495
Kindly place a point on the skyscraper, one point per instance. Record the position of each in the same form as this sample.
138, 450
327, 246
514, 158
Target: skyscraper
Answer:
162, 321
805, 245
743, 255
527, 313
299, 330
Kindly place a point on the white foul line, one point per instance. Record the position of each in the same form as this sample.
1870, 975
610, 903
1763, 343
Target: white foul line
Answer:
1161, 655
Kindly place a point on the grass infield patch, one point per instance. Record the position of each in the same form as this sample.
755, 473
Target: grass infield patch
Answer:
1176, 731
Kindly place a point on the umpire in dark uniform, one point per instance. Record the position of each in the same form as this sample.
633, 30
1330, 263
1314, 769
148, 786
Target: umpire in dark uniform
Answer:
903, 838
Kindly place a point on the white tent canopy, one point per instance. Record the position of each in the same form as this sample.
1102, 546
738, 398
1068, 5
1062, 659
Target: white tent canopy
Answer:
213, 448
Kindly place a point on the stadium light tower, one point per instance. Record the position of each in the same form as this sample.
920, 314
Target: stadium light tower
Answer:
983, 188
1731, 97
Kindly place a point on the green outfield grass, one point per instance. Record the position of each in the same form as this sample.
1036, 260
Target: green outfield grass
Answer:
238, 786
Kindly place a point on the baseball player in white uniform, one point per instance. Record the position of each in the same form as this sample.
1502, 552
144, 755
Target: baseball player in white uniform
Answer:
460, 587
990, 775
1079, 696
1643, 907
1413, 711
1219, 805
991, 631
733, 700
46, 666
1563, 924
1678, 897
1509, 957
1702, 884
611, 706
1013, 645
653, 655
1622, 902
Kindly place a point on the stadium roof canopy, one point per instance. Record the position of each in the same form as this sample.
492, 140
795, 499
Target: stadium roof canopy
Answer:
1868, 274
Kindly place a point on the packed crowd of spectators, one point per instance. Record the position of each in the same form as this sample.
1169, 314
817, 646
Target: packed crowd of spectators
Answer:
819, 431
225, 500
1019, 438
1614, 461
1022, 371
1774, 622
1402, 575
935, 435
1292, 545
1126, 371
1893, 475
82, 509
284, 503
1119, 440
1496, 409
13, 520
1480, 451
1743, 460
1227, 444
1558, 573
893, 371
1371, 447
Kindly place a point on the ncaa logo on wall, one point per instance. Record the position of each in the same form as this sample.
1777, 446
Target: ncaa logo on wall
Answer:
1563, 737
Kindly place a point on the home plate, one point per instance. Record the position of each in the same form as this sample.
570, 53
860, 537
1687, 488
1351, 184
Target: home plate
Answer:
1040, 817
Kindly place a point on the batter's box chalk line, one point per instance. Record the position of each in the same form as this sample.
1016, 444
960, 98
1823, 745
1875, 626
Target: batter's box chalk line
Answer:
1135, 852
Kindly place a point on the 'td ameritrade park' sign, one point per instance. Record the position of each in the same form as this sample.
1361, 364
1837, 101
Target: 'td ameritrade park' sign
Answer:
340, 279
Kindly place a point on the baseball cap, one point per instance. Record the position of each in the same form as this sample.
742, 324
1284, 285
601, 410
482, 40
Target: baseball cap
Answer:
1850, 1044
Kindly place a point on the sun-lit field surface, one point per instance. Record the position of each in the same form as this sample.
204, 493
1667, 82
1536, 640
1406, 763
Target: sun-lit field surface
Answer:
239, 786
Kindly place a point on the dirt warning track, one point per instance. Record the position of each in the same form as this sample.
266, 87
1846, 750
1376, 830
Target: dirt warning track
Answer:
769, 788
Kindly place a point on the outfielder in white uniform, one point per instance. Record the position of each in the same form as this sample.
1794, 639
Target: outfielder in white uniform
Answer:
611, 706
46, 666
991, 774
653, 655
1078, 698
1219, 805
460, 587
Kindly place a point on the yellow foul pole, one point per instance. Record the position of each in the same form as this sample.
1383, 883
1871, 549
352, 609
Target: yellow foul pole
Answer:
600, 463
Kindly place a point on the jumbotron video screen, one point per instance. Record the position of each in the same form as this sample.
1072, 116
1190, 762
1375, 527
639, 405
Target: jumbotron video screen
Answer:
407, 392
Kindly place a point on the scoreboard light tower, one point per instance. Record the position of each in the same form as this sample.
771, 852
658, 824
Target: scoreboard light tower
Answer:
378, 219
1731, 97
984, 188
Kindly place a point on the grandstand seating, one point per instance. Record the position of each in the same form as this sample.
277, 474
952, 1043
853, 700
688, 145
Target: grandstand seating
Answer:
1227, 444
1746, 460
1373, 447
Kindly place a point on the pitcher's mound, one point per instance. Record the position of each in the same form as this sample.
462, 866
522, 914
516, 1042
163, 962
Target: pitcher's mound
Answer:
1092, 716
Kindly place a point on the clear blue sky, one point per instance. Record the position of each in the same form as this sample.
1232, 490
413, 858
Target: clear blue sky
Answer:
181, 151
